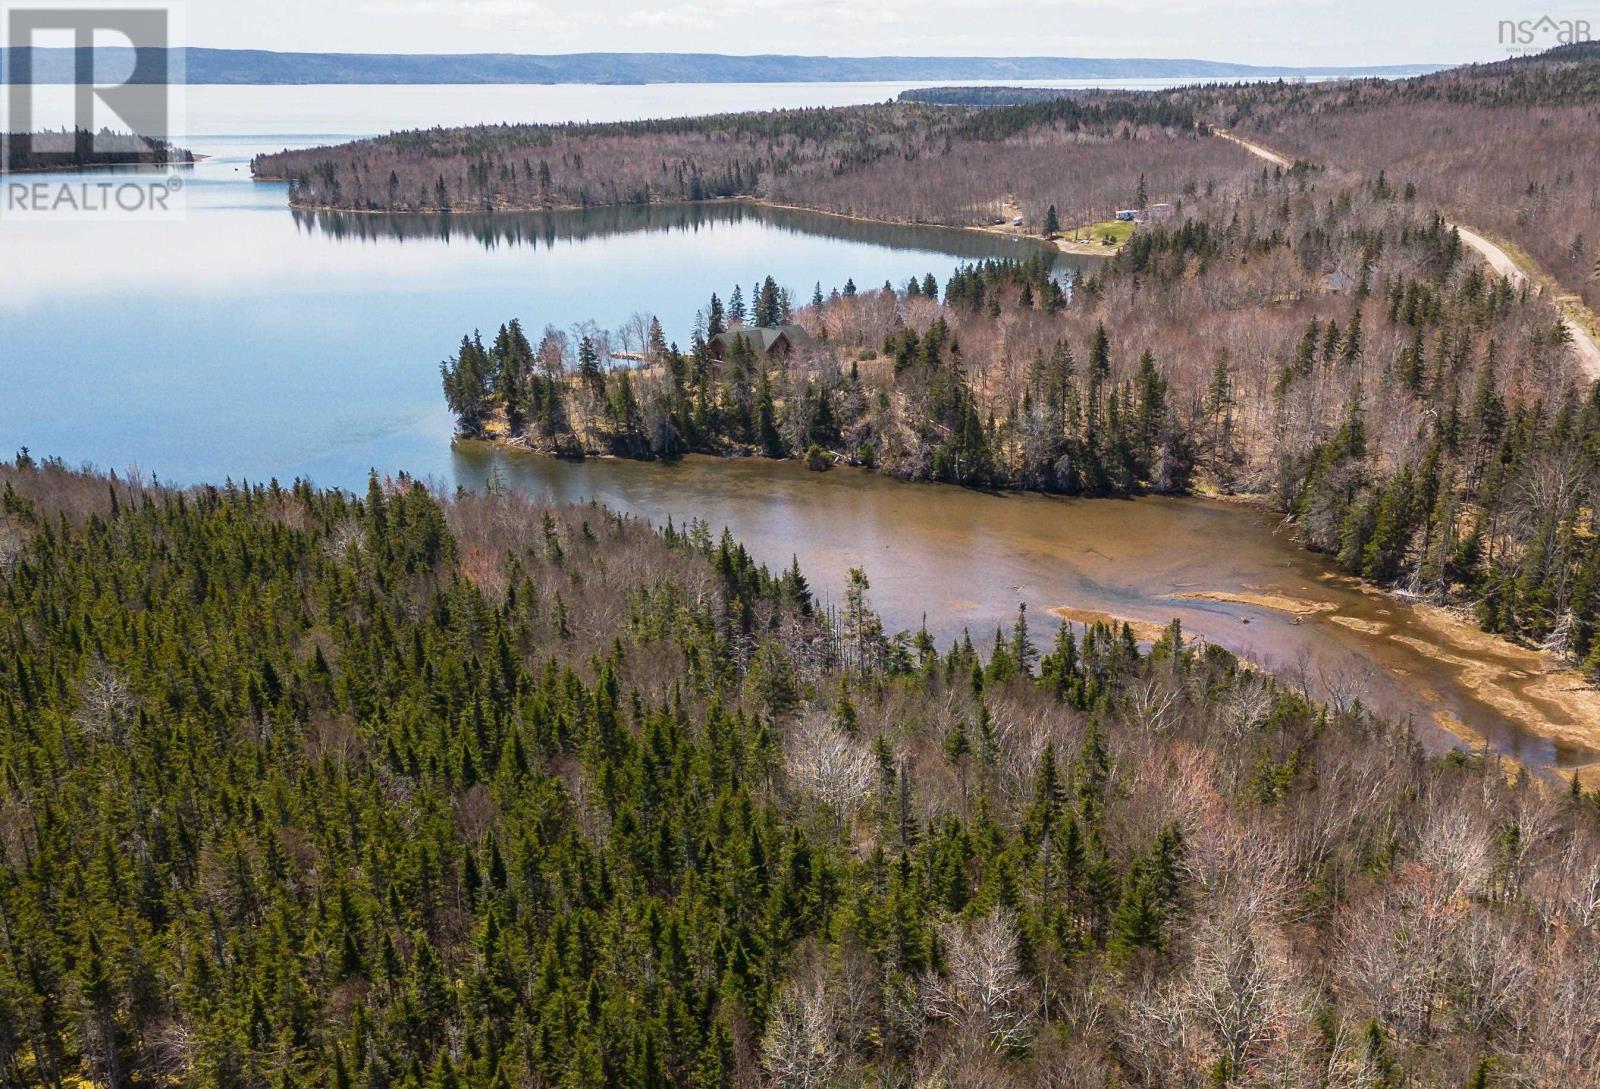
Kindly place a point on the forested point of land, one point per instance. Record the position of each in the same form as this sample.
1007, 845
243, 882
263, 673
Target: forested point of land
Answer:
1329, 347
302, 788
22, 150
895, 162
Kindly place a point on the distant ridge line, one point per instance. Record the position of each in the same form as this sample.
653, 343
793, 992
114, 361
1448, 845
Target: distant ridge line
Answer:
250, 66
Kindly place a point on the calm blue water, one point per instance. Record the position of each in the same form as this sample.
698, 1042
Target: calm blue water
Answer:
247, 341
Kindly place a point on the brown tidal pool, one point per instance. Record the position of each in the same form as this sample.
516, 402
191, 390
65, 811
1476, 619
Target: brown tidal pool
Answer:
1231, 573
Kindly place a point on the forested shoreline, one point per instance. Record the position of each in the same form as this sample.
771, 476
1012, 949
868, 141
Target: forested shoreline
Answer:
892, 162
1507, 145
1326, 346
306, 788
89, 149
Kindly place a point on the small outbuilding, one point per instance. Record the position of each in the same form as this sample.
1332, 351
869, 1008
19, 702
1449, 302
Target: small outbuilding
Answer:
769, 341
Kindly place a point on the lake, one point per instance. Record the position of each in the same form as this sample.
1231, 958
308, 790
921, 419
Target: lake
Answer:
249, 341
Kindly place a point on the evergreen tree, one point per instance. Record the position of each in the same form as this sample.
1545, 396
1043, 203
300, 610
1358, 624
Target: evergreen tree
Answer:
589, 370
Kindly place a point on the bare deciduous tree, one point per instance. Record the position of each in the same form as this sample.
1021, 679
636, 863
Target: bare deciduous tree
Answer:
1490, 972
828, 765
983, 991
801, 1048
106, 703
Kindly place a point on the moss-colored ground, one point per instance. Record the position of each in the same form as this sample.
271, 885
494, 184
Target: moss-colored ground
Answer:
1112, 231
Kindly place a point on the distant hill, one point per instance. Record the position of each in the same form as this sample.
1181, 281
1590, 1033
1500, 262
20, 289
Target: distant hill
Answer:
212, 66
1564, 75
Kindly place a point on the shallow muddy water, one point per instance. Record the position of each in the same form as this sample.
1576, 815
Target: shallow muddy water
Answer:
965, 559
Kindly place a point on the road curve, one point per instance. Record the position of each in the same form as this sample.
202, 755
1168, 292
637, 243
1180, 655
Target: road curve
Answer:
1584, 347
1256, 149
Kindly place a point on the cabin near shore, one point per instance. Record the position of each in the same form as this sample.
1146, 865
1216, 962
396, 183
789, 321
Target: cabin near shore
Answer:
769, 341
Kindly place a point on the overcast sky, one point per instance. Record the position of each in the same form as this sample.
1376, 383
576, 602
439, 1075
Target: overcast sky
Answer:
1317, 32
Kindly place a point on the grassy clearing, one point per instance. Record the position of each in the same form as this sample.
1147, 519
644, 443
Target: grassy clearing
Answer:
1106, 237
1112, 232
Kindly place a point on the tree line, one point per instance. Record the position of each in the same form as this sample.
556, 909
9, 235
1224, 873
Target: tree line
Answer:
71, 149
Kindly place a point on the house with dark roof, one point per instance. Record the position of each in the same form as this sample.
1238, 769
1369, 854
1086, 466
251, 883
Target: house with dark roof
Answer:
768, 341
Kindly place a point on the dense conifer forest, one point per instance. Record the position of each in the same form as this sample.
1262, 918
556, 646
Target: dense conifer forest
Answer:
305, 788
